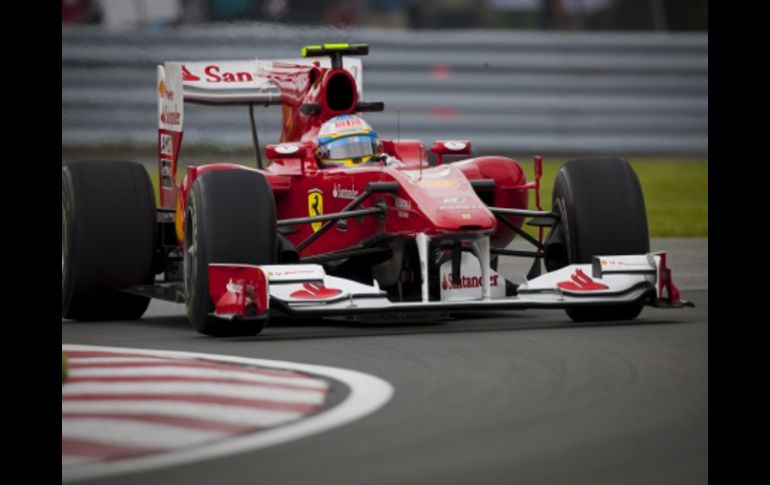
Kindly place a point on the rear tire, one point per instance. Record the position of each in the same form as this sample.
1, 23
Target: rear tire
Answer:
108, 239
601, 208
230, 218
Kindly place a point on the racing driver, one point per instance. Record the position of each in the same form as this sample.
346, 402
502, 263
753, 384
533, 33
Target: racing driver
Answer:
349, 141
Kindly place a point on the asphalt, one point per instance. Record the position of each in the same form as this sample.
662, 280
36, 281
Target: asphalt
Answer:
509, 397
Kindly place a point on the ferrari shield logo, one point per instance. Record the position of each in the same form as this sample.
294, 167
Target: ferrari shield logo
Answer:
315, 206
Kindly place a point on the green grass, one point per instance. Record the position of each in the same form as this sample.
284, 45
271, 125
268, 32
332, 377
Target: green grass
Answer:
675, 193
676, 196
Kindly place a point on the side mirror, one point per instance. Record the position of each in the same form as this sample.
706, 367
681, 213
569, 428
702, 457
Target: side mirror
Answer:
283, 151
441, 148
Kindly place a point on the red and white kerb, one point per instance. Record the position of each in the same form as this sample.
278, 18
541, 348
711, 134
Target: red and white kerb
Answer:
118, 406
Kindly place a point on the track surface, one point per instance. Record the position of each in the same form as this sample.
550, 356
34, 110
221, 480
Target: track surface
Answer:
516, 397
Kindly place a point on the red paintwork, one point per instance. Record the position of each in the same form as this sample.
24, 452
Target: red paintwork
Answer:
238, 288
510, 189
440, 201
306, 84
538, 176
440, 150
666, 284
411, 152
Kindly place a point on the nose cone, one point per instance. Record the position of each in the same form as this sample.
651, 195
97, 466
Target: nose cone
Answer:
447, 200
470, 214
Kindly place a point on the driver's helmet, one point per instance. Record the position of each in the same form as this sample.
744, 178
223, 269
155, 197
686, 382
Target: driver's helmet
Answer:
346, 141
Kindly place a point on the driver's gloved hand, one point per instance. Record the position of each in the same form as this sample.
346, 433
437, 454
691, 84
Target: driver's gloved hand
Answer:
391, 161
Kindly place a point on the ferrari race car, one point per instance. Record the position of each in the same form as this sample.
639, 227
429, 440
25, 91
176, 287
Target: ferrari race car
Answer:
300, 235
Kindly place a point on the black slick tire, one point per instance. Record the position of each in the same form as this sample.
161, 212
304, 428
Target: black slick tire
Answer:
108, 239
601, 208
230, 218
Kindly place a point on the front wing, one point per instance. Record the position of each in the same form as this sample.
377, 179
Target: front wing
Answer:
244, 291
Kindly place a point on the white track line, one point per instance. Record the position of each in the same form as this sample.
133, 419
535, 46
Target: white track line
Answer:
196, 372
193, 388
116, 360
135, 434
367, 394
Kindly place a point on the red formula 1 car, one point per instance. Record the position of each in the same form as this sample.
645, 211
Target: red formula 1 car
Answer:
339, 222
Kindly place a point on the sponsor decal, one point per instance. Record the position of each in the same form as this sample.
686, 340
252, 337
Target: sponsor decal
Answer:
344, 125
466, 216
170, 117
348, 123
166, 145
466, 282
405, 204
238, 287
470, 286
439, 183
627, 264
339, 192
164, 91
188, 76
453, 200
460, 207
579, 281
315, 291
214, 75
165, 173
315, 206
292, 272
287, 149
455, 145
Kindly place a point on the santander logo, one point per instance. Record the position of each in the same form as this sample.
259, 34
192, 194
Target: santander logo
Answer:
188, 76
581, 282
340, 192
315, 291
214, 74
466, 282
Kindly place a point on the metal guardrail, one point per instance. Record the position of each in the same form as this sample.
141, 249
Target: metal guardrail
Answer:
509, 92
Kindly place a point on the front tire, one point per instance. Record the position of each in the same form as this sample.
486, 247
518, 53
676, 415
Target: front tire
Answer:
230, 218
601, 208
108, 239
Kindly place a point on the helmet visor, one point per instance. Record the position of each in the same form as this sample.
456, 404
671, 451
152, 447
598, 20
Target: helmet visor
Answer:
354, 146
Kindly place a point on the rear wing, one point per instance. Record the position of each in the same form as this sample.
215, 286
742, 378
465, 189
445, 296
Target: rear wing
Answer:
244, 82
